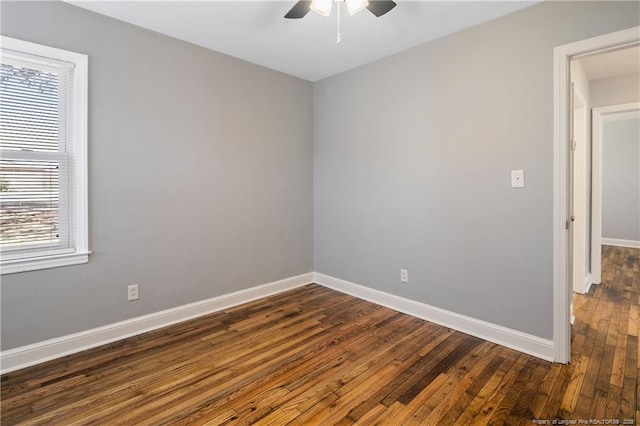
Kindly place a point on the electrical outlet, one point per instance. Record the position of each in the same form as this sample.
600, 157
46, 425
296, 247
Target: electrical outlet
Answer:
517, 178
133, 292
404, 275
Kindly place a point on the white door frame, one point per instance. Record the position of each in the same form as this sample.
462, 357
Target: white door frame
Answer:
562, 288
596, 184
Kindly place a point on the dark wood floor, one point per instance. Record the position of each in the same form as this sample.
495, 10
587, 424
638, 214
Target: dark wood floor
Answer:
315, 356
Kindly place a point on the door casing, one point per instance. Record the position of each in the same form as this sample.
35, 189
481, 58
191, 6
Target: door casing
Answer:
562, 262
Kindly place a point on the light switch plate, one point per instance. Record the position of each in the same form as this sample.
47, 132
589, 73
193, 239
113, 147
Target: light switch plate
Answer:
517, 178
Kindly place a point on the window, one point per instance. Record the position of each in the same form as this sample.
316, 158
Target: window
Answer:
43, 157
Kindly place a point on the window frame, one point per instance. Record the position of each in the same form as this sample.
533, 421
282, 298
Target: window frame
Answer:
11, 263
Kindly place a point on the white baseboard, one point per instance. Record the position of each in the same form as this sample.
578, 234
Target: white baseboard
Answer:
620, 243
522, 342
25, 356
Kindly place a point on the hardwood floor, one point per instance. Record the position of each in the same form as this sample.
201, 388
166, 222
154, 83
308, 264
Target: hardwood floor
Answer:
316, 356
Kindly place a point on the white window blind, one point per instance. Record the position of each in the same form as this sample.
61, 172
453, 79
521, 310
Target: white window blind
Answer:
40, 199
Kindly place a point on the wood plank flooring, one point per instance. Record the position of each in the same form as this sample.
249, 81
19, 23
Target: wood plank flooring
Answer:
316, 356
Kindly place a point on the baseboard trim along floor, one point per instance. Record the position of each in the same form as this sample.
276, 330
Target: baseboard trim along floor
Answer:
25, 356
517, 340
621, 243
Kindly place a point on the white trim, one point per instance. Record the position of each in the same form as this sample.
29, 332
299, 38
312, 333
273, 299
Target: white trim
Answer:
25, 356
587, 283
51, 56
582, 288
620, 243
29, 355
598, 115
46, 53
596, 196
81, 109
529, 344
561, 281
43, 262
561, 262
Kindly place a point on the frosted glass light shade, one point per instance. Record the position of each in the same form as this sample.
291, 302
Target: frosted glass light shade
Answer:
322, 7
355, 6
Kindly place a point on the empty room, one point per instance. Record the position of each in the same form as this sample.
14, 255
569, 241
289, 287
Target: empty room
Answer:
319, 212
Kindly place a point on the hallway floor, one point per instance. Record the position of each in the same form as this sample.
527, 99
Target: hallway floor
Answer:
602, 379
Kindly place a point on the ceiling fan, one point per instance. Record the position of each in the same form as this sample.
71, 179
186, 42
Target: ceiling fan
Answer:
323, 7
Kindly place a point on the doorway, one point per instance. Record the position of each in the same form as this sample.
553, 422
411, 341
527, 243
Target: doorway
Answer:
564, 180
619, 154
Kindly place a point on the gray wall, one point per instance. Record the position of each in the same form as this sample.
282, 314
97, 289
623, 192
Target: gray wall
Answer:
200, 177
621, 179
202, 185
412, 160
615, 90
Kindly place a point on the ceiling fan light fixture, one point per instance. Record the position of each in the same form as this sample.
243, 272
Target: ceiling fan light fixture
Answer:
322, 7
355, 6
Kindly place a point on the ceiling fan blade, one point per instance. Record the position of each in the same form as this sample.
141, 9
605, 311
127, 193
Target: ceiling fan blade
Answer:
380, 7
299, 9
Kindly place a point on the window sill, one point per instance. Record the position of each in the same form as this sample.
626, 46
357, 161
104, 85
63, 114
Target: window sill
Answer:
14, 266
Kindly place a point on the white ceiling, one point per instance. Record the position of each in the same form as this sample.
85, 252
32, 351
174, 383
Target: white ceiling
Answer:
612, 64
256, 31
